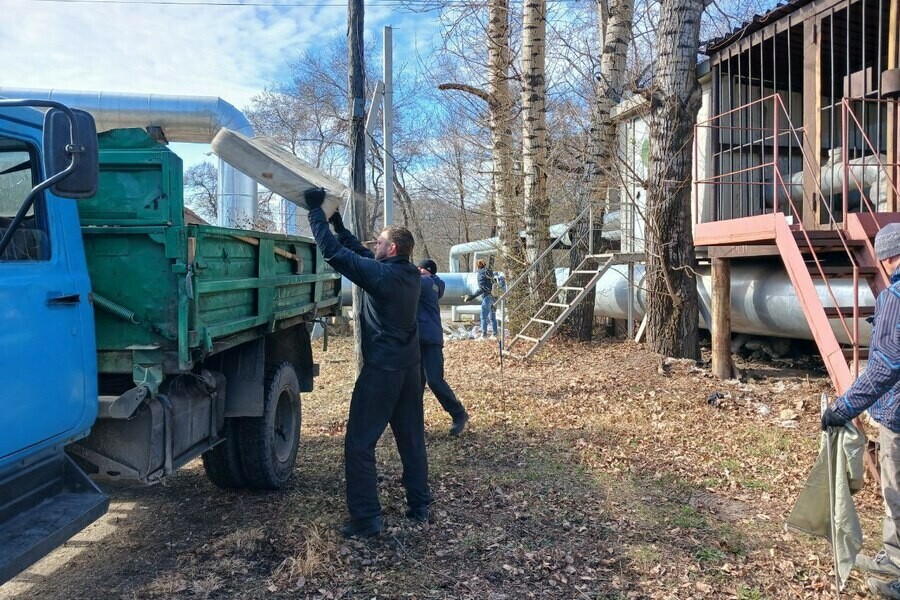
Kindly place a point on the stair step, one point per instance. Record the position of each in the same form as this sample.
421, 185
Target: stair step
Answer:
589, 271
829, 247
842, 270
544, 321
525, 337
570, 287
556, 304
847, 311
863, 353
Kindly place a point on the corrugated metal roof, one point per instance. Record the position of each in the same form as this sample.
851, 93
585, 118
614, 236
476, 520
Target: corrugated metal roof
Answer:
755, 24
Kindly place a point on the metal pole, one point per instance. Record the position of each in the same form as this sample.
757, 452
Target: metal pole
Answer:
388, 113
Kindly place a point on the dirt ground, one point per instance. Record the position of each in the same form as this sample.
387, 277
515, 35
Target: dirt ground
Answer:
594, 472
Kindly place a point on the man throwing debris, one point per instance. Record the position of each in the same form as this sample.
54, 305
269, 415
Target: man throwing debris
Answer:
878, 391
388, 389
431, 342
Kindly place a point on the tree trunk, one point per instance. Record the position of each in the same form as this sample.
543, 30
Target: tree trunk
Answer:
534, 146
356, 98
501, 105
675, 100
615, 29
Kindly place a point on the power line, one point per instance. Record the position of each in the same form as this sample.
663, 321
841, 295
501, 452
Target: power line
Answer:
424, 4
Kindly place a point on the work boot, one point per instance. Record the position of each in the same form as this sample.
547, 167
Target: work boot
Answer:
885, 589
459, 424
419, 514
363, 527
881, 565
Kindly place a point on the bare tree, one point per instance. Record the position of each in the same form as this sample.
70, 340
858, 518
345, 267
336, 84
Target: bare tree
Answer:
534, 139
675, 98
201, 185
615, 29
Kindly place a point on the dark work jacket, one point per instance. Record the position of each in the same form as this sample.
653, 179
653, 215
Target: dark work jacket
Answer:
390, 338
430, 331
485, 282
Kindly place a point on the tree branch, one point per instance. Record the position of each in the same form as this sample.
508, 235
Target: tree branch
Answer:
462, 87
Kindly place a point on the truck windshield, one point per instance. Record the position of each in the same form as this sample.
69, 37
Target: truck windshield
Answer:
17, 177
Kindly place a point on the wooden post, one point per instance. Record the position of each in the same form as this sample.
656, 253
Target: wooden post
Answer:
357, 109
812, 113
721, 318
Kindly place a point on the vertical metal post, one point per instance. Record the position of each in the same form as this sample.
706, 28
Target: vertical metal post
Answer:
845, 164
591, 228
630, 300
776, 175
388, 113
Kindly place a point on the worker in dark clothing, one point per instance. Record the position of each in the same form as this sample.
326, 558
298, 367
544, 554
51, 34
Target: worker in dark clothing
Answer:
878, 390
388, 389
431, 342
485, 284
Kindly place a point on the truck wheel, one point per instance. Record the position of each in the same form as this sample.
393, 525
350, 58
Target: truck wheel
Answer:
268, 444
223, 463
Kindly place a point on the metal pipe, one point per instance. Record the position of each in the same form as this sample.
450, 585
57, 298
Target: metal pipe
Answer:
182, 119
612, 230
457, 285
763, 300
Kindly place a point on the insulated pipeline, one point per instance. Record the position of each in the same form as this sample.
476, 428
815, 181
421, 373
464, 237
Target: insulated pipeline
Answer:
763, 300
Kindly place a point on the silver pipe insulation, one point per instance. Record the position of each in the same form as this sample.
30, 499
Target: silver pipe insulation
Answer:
181, 119
763, 300
612, 230
456, 285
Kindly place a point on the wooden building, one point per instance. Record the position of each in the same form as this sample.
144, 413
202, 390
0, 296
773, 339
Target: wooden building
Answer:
800, 161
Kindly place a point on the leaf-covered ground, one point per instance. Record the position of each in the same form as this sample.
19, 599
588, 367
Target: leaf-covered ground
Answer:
595, 471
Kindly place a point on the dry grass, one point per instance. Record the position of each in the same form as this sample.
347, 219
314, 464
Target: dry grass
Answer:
589, 473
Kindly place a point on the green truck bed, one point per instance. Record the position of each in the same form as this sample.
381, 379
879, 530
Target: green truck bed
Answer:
167, 294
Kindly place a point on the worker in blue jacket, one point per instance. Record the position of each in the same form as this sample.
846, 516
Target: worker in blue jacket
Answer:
485, 284
431, 343
878, 390
388, 389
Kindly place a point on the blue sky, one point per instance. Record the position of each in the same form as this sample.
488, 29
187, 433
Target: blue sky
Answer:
231, 52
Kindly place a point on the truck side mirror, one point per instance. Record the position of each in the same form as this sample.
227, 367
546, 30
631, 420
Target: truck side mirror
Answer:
82, 182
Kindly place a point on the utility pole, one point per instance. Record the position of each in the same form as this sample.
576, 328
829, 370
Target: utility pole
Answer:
357, 109
388, 112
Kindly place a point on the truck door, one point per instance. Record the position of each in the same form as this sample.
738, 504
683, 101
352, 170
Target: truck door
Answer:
47, 379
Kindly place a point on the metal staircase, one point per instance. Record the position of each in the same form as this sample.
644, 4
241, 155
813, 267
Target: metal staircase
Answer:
544, 324
840, 248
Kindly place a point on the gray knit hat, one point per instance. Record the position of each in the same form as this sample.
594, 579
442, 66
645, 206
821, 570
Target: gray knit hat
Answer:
887, 242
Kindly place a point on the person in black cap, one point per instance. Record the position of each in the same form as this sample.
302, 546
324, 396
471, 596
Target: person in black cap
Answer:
431, 342
878, 391
388, 389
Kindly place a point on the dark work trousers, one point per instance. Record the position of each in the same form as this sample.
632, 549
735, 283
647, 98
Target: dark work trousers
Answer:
381, 398
433, 374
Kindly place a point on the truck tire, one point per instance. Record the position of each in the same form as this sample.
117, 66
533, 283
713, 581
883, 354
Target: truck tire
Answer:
223, 463
269, 444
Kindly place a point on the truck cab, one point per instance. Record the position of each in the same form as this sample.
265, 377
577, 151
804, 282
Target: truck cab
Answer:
134, 341
47, 345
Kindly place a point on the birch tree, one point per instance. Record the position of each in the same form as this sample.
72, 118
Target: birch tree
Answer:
675, 98
534, 142
615, 31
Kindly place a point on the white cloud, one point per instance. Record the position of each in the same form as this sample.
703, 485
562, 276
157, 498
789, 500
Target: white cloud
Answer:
232, 52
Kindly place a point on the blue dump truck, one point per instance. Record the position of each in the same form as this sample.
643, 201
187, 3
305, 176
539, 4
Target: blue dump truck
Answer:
131, 341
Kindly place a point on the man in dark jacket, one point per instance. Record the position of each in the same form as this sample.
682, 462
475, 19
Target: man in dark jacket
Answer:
485, 284
878, 391
431, 342
388, 389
